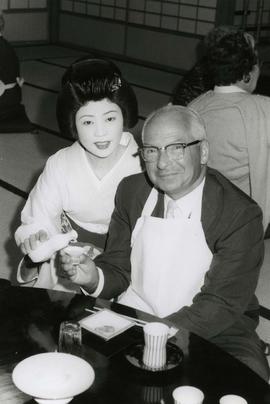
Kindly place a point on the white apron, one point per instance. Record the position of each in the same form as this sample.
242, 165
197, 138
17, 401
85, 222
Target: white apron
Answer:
169, 259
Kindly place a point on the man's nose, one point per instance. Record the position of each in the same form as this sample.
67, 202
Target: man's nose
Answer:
163, 159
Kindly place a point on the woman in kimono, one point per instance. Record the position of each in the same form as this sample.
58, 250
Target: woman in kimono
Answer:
73, 198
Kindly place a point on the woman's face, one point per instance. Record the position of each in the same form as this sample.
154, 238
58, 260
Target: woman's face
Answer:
100, 126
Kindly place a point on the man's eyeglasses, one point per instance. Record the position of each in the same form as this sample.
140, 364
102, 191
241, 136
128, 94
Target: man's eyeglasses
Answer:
174, 151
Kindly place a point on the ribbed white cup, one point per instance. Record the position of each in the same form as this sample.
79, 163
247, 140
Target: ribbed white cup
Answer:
187, 395
232, 399
155, 338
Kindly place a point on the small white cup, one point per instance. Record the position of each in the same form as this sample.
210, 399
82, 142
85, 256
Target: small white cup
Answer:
187, 395
74, 251
232, 399
155, 338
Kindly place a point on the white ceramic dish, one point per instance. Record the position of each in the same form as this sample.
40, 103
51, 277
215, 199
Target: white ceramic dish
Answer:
106, 324
53, 376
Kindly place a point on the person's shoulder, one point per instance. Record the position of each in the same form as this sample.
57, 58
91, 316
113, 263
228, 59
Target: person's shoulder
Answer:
137, 182
262, 99
6, 44
254, 98
230, 193
254, 105
62, 155
228, 210
135, 186
201, 100
133, 192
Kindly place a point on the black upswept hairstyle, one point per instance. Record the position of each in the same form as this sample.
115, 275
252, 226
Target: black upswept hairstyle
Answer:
231, 54
91, 79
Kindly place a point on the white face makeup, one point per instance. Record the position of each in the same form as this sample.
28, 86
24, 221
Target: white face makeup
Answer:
100, 126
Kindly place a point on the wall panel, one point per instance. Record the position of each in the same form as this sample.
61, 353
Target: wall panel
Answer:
27, 26
91, 33
160, 48
26, 20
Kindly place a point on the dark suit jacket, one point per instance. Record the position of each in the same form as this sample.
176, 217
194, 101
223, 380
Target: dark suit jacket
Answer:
232, 224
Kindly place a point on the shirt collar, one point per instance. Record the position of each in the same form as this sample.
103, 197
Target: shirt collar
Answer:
190, 204
228, 89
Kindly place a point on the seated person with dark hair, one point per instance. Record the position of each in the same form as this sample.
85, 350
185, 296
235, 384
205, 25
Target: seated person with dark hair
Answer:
184, 243
195, 82
199, 79
12, 113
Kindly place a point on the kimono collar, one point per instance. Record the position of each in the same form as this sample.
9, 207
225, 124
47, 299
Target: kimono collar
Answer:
228, 89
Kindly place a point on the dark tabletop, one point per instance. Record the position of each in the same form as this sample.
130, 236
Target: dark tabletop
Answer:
30, 321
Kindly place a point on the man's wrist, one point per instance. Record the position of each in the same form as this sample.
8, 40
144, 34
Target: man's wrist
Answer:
94, 289
91, 286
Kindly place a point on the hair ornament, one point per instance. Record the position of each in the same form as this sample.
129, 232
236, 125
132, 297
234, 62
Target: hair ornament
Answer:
247, 78
117, 83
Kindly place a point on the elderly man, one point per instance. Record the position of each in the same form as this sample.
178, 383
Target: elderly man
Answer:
184, 243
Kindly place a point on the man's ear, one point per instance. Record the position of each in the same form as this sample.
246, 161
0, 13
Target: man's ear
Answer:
204, 151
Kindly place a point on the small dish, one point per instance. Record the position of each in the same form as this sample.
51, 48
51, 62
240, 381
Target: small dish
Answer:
106, 324
53, 377
134, 355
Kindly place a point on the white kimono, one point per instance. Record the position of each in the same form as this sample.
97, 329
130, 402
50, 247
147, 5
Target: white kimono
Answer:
69, 184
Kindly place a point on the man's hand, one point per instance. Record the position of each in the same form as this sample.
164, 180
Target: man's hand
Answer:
84, 274
33, 241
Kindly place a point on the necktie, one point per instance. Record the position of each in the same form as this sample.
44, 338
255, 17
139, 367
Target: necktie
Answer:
173, 211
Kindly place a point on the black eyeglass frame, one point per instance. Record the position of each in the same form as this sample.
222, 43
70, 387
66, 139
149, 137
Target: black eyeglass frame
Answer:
183, 145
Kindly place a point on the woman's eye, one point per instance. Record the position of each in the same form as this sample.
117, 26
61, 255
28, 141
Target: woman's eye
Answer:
87, 122
111, 118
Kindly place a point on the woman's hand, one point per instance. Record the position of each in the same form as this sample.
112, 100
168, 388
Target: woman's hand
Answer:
33, 241
84, 274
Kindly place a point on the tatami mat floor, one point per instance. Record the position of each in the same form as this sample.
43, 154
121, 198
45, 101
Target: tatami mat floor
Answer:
22, 156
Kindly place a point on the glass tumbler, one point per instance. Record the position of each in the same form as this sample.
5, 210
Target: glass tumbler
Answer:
70, 337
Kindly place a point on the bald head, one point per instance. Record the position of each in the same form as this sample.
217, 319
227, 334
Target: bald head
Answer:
175, 117
175, 150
